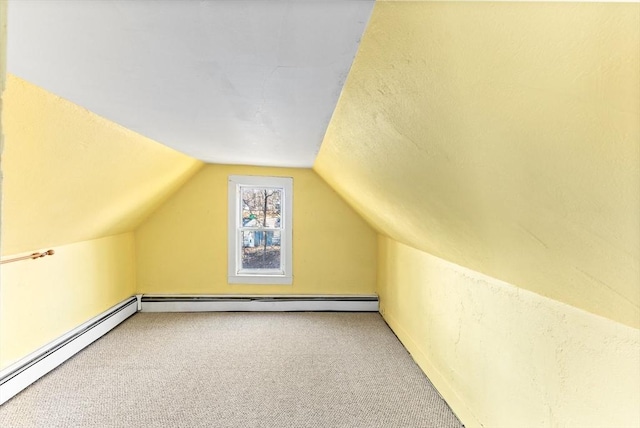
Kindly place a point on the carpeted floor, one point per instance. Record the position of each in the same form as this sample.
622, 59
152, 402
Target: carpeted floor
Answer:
236, 370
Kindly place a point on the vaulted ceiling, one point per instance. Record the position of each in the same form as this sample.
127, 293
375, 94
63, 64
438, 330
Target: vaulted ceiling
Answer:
240, 82
501, 136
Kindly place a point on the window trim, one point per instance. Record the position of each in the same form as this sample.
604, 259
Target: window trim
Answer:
233, 237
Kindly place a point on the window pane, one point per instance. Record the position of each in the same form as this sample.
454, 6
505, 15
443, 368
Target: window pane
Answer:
258, 204
260, 249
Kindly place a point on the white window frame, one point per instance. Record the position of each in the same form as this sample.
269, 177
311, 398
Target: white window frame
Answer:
235, 275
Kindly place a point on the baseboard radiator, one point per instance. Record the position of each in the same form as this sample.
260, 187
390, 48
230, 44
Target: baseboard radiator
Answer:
227, 303
23, 373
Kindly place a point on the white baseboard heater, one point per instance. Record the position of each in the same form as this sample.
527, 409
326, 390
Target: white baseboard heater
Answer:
298, 303
23, 373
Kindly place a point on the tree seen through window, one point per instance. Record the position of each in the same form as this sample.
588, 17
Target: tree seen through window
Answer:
261, 227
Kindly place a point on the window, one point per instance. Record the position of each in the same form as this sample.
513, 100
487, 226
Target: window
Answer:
260, 218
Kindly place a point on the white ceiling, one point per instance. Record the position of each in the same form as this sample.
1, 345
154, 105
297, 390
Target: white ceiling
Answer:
243, 82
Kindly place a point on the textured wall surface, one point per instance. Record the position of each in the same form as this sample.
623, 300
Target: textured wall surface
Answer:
43, 299
505, 357
504, 137
72, 176
182, 247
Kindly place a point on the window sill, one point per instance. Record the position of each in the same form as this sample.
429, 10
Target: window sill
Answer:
260, 279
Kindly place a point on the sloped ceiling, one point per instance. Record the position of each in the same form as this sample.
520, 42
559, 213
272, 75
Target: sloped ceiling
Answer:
504, 137
71, 176
95, 85
225, 81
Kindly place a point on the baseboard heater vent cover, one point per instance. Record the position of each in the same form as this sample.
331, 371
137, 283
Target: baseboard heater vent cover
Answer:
23, 373
218, 303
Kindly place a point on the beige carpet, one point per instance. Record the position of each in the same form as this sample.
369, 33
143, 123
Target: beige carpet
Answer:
236, 370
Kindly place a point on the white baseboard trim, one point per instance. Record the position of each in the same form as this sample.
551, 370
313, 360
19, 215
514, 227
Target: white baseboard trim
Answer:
23, 373
239, 303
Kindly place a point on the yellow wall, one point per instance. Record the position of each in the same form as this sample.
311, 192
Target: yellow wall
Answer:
505, 357
43, 299
182, 247
80, 184
72, 176
504, 137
